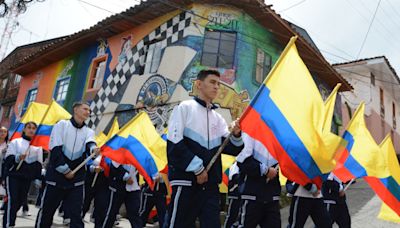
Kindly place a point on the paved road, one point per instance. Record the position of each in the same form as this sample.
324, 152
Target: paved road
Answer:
363, 204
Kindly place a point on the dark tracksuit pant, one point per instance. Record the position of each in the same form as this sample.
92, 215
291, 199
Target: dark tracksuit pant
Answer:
132, 203
302, 207
17, 191
149, 199
191, 202
72, 199
339, 214
233, 212
100, 193
264, 214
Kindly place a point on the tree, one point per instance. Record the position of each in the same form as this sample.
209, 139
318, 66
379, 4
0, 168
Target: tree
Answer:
18, 5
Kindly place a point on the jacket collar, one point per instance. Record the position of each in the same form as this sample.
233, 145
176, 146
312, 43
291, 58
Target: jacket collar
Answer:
26, 137
204, 104
75, 124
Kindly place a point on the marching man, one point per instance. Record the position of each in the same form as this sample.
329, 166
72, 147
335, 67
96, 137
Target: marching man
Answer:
195, 133
70, 142
23, 165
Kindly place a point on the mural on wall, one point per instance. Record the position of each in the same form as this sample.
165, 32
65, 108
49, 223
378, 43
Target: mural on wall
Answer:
74, 69
158, 71
126, 46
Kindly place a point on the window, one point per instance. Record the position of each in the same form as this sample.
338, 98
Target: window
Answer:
372, 79
218, 49
4, 83
17, 79
8, 112
60, 92
153, 58
30, 97
382, 102
97, 72
263, 65
394, 115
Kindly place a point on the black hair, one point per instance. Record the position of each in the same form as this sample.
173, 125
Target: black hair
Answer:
7, 136
203, 74
79, 103
30, 123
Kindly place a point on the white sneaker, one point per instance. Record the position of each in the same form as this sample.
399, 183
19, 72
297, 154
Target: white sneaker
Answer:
26, 213
66, 222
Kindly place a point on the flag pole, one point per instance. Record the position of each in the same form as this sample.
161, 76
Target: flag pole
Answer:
94, 179
216, 155
22, 160
83, 163
348, 185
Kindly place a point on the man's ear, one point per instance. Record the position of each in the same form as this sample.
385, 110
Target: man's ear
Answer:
197, 83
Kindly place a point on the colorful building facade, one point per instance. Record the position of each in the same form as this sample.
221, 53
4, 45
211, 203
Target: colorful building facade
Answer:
152, 66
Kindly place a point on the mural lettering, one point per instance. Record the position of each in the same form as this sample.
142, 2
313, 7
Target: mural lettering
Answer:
224, 20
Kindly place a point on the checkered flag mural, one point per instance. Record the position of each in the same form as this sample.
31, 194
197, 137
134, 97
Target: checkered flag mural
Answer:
172, 30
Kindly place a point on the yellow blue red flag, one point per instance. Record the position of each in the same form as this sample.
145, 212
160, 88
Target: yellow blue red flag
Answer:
388, 188
54, 113
362, 156
227, 161
386, 213
35, 113
287, 116
138, 144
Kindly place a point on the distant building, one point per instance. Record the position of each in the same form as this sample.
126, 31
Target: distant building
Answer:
147, 58
377, 83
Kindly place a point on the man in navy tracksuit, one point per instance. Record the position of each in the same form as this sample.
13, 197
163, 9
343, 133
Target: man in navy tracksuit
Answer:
195, 133
151, 198
70, 142
233, 197
18, 179
307, 201
99, 191
124, 188
261, 188
335, 201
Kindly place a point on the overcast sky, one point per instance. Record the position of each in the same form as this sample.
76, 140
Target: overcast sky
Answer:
338, 27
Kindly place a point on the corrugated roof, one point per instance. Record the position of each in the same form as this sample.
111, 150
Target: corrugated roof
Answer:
152, 9
372, 58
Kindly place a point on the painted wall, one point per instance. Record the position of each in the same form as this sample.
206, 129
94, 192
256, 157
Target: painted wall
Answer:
181, 53
76, 67
370, 94
178, 40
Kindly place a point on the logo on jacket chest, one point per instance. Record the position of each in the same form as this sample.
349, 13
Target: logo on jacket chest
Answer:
214, 129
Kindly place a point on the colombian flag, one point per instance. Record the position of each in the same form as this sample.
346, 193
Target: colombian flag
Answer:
386, 213
362, 156
227, 161
388, 188
138, 144
54, 113
35, 113
101, 140
287, 116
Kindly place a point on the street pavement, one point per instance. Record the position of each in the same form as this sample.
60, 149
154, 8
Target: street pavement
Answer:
364, 207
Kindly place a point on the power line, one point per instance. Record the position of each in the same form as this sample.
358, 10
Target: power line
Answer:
292, 6
393, 8
98, 7
369, 28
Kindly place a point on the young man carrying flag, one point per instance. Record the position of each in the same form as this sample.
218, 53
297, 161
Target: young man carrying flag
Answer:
195, 133
70, 142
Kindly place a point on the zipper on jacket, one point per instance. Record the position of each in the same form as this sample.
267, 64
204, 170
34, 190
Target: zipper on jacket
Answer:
73, 148
208, 131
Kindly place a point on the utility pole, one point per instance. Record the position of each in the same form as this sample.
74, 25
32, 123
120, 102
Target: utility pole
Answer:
11, 23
